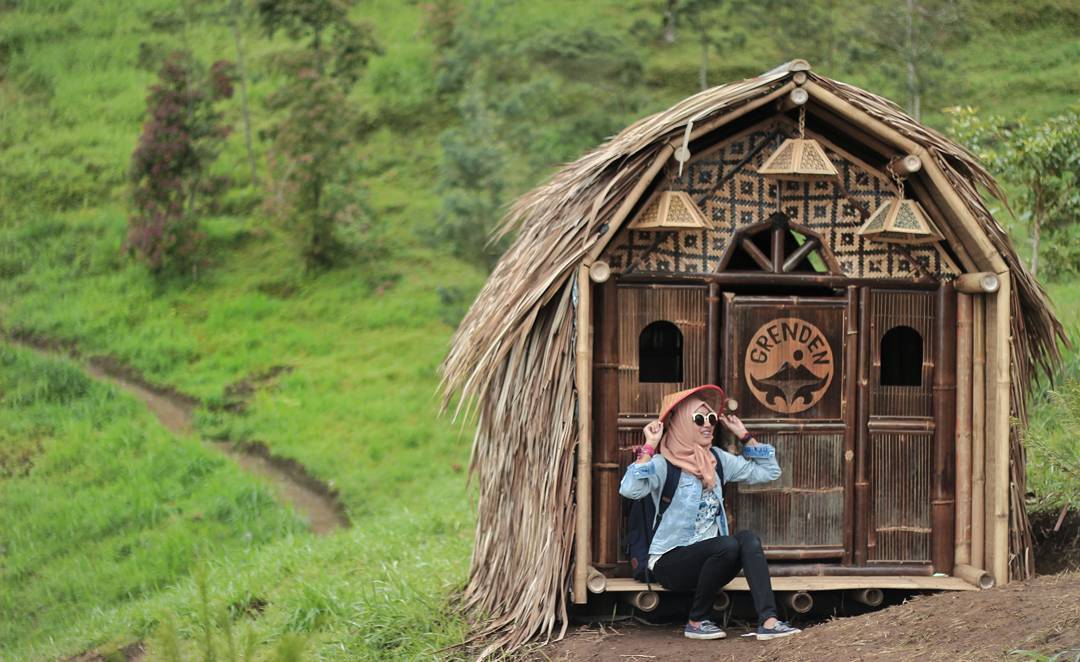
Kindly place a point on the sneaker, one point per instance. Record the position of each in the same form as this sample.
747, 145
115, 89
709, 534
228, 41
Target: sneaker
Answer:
707, 630
781, 629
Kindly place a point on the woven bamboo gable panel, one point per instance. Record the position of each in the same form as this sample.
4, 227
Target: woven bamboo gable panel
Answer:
724, 183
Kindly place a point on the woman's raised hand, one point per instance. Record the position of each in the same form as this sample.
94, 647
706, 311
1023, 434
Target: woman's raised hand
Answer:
733, 424
653, 432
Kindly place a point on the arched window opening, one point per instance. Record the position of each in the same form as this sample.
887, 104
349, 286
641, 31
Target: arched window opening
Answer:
901, 357
660, 353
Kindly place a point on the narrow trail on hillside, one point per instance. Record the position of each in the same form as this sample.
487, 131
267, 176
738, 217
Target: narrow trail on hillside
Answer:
290, 480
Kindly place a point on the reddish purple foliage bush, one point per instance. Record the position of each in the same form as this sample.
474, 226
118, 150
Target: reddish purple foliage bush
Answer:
179, 140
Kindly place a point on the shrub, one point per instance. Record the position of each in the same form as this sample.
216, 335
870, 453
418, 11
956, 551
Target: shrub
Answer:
180, 139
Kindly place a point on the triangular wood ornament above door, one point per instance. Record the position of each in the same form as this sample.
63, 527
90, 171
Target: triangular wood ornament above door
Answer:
670, 210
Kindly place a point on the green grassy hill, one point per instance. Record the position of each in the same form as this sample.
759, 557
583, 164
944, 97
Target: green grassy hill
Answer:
111, 525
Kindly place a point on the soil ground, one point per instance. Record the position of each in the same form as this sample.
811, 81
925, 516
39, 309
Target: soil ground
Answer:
1023, 620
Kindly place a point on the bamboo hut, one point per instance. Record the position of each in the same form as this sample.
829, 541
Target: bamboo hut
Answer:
830, 262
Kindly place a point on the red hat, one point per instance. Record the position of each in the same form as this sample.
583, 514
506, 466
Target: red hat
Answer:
672, 400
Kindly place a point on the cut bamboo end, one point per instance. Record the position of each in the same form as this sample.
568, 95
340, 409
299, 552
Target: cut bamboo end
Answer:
722, 601
645, 600
599, 271
871, 597
905, 165
983, 282
800, 602
795, 98
596, 581
975, 576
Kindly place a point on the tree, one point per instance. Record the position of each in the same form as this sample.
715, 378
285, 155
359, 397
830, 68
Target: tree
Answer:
806, 30
528, 97
906, 40
1041, 160
180, 139
715, 24
312, 155
236, 14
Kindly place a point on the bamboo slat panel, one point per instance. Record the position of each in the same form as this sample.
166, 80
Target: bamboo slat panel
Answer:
900, 468
890, 309
805, 506
639, 306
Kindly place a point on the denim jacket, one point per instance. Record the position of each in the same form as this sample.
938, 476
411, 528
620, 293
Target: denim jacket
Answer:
677, 526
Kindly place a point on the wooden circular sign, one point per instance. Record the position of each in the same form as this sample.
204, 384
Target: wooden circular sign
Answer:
789, 365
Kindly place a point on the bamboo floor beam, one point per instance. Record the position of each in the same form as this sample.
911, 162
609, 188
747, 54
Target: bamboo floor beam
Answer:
913, 582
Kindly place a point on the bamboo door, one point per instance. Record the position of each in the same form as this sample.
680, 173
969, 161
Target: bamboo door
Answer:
786, 363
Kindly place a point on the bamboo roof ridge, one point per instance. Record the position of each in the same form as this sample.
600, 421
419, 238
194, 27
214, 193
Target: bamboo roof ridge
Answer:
512, 357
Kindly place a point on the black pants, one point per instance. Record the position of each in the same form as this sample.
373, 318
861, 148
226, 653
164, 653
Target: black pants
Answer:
706, 566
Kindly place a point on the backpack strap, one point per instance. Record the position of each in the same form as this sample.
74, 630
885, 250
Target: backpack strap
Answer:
671, 483
719, 465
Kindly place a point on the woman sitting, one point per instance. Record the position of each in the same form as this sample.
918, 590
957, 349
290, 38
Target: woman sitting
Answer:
692, 550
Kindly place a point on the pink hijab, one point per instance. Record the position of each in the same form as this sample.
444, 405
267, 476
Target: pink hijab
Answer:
683, 445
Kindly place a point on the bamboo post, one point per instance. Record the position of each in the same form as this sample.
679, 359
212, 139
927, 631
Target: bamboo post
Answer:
997, 433
978, 431
606, 459
851, 362
583, 379
712, 334
943, 481
862, 484
963, 428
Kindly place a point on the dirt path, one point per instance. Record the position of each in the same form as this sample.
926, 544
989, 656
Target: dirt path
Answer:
290, 480
1040, 616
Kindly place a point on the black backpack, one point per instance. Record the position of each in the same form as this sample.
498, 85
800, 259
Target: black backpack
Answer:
642, 511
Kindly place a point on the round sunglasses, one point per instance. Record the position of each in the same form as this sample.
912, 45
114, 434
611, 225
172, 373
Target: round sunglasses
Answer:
700, 419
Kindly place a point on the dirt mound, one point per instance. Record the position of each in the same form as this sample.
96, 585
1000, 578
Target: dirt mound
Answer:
1056, 550
1039, 616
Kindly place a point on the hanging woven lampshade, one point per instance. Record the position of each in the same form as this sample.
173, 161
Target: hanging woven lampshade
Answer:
670, 210
800, 159
900, 221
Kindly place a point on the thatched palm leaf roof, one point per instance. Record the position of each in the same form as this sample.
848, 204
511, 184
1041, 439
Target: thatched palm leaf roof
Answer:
512, 355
